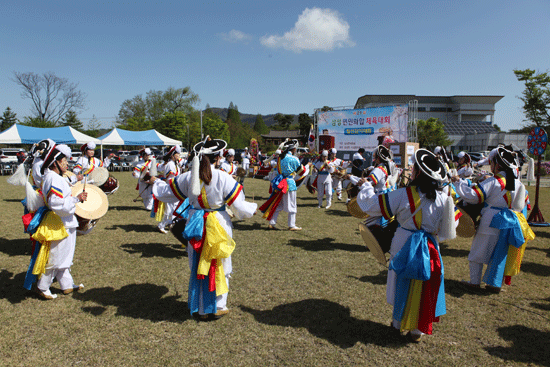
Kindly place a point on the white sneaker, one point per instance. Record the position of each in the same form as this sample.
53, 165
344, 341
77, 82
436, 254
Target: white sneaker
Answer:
339, 197
162, 230
327, 207
319, 206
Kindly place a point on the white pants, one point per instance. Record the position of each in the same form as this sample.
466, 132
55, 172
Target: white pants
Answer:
168, 217
337, 184
287, 204
59, 263
324, 189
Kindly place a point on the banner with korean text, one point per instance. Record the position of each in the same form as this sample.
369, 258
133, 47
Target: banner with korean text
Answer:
364, 128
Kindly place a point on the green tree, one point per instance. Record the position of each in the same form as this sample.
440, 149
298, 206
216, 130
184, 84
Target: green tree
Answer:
536, 96
284, 121
156, 104
93, 127
52, 97
431, 133
139, 123
71, 119
233, 114
8, 118
304, 122
173, 125
259, 125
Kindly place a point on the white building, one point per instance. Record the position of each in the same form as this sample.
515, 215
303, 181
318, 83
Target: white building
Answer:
469, 120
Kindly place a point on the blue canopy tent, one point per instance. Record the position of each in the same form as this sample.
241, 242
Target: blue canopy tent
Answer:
126, 137
21, 134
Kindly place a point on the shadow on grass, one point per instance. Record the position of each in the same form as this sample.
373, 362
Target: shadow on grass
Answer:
446, 250
542, 306
241, 225
155, 250
380, 278
326, 244
456, 289
528, 345
536, 269
546, 250
139, 301
13, 201
541, 234
330, 321
18, 247
141, 228
11, 287
124, 207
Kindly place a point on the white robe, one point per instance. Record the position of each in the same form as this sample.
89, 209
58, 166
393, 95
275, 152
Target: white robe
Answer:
217, 192
432, 219
145, 190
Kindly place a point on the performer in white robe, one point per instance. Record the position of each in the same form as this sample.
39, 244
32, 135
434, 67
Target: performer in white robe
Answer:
324, 179
58, 198
87, 162
502, 192
208, 202
464, 168
337, 164
39, 151
245, 159
171, 170
423, 211
144, 187
228, 165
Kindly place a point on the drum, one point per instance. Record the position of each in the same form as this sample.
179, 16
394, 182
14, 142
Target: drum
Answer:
466, 227
110, 186
355, 210
177, 230
378, 239
90, 211
98, 176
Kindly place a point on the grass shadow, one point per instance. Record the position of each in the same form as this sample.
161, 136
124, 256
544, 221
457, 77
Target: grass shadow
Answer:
242, 225
11, 287
156, 250
536, 269
13, 200
338, 327
542, 306
379, 279
141, 228
541, 234
456, 289
528, 345
138, 301
125, 207
17, 247
326, 244
446, 250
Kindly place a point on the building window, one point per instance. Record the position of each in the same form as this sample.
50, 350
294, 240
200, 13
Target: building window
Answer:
421, 109
439, 109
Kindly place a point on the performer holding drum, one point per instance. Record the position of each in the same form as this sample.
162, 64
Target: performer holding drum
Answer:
141, 172
209, 228
57, 230
501, 224
87, 162
171, 170
415, 276
228, 166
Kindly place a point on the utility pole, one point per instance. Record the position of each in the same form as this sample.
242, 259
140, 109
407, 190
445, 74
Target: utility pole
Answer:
202, 136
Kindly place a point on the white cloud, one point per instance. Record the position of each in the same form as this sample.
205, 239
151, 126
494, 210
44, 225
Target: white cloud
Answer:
235, 36
316, 30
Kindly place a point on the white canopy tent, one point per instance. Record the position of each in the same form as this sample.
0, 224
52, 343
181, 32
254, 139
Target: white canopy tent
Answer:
147, 137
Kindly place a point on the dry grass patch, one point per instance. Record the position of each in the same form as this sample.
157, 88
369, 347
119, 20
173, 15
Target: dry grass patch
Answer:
314, 297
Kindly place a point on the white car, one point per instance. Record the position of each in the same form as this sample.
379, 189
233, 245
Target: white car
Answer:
8, 155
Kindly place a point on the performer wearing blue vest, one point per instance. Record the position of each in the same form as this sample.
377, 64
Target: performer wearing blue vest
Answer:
285, 184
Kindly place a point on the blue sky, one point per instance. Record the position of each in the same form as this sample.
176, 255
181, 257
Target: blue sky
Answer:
275, 56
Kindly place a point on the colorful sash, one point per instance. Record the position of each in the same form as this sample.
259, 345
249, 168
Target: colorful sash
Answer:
420, 293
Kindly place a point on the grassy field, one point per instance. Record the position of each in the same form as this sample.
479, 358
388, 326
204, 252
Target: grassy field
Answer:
309, 298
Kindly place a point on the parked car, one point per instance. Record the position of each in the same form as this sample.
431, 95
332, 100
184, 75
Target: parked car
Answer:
132, 157
123, 153
9, 155
302, 150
